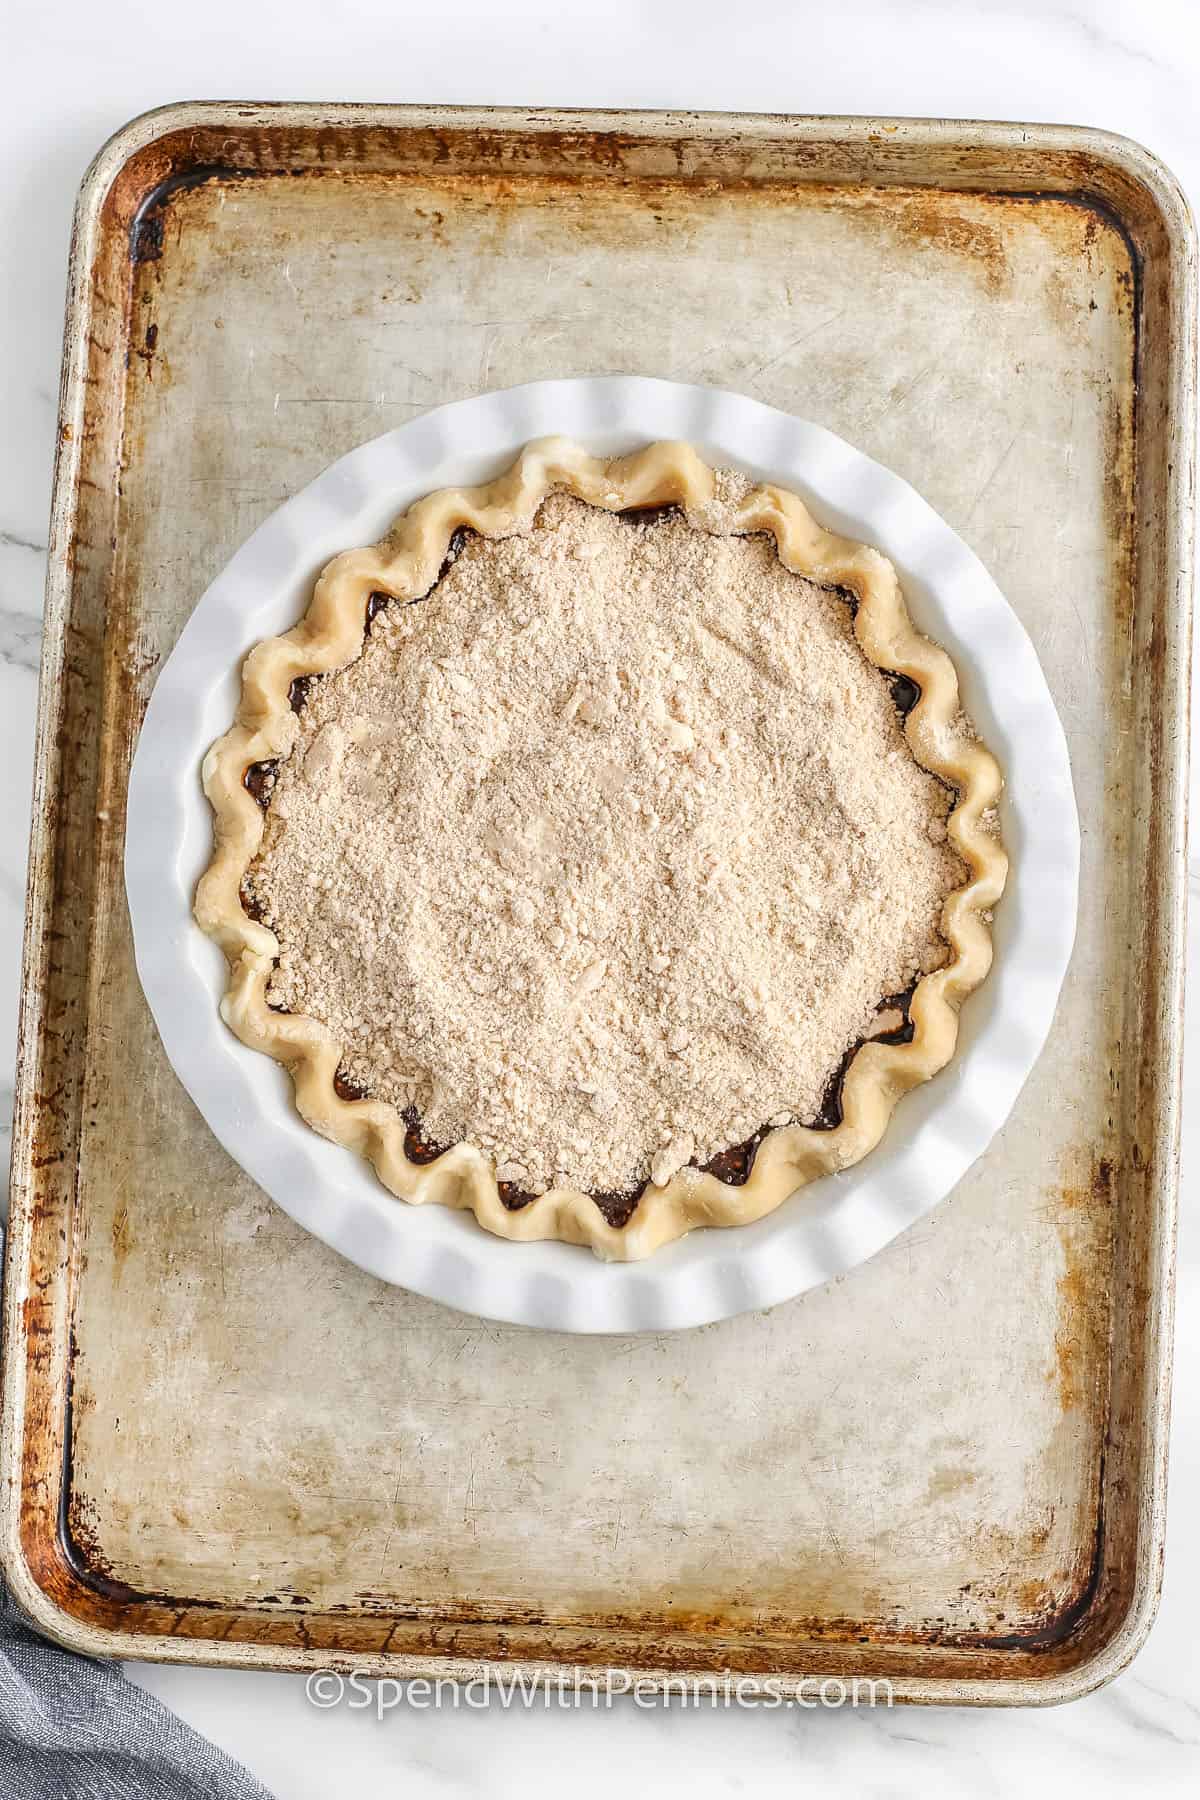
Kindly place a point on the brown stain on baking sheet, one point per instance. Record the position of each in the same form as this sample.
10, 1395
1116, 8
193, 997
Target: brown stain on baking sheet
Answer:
1054, 1614
1072, 1301
934, 221
1084, 1227
479, 174
147, 227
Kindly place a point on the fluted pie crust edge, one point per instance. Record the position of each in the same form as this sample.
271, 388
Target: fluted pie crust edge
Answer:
404, 565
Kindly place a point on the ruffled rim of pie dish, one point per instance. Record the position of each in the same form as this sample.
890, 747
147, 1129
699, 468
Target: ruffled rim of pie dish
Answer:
405, 565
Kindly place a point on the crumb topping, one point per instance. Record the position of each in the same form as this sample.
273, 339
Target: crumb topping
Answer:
603, 855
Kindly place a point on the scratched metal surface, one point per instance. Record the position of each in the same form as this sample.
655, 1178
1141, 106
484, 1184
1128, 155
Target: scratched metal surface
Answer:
272, 1455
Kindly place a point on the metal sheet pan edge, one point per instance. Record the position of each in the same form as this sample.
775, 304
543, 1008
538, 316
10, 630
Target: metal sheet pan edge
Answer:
1145, 199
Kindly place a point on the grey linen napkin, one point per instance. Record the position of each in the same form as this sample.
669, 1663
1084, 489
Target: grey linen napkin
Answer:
74, 1729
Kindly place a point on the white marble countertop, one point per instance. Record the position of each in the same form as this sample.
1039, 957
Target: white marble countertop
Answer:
77, 71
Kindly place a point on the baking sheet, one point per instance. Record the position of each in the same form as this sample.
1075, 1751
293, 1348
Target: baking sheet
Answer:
269, 1458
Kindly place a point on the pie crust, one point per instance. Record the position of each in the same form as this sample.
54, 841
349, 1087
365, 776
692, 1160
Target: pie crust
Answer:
405, 565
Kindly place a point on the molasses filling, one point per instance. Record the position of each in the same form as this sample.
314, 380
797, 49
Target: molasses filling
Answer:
557, 778
417, 1147
905, 693
259, 779
345, 1088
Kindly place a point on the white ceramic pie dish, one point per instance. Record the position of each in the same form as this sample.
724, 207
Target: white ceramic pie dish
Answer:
936, 1132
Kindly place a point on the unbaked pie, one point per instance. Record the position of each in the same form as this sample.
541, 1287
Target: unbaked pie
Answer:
604, 851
